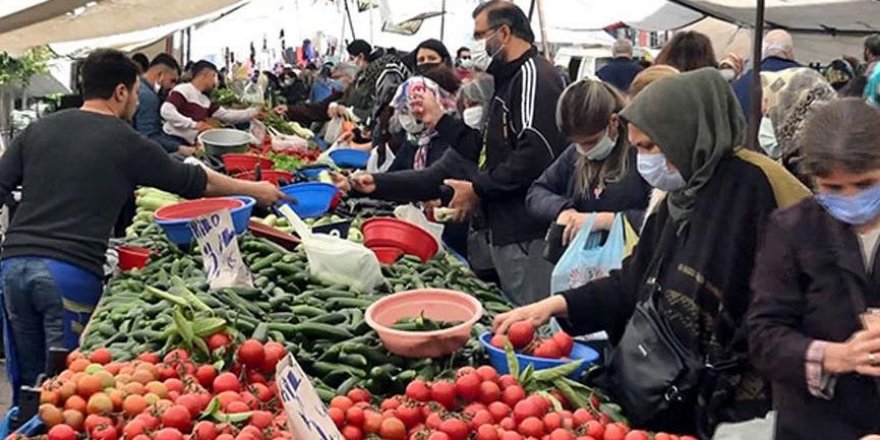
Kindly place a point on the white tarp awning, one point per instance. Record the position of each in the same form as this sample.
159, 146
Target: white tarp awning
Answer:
100, 19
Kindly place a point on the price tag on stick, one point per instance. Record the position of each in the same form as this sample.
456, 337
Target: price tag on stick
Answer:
221, 258
307, 416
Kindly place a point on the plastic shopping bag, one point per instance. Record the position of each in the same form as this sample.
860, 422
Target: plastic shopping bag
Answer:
587, 259
335, 260
414, 215
333, 129
373, 165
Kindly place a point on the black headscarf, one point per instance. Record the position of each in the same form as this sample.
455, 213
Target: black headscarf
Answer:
696, 121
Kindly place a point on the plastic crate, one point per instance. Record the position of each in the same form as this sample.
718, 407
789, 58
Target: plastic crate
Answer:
31, 428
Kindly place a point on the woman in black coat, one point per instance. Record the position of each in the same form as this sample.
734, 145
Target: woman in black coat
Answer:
815, 278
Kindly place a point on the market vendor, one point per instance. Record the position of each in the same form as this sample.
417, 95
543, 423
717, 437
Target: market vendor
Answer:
188, 109
77, 167
159, 79
815, 276
690, 271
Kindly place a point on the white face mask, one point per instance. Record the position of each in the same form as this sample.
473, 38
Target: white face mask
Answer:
467, 63
600, 151
409, 124
656, 172
480, 55
473, 117
767, 138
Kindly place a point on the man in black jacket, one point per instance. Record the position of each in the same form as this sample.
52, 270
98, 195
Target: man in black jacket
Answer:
520, 140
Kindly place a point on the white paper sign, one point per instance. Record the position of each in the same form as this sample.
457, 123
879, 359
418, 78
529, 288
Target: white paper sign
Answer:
221, 258
258, 131
307, 416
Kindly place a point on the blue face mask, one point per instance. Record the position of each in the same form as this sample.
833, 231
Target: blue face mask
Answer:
654, 170
600, 151
856, 210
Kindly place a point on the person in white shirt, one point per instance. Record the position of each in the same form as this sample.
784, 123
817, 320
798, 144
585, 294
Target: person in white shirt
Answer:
188, 107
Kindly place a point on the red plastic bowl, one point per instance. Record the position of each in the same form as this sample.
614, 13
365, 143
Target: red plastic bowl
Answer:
238, 162
132, 257
387, 255
438, 304
194, 208
275, 235
387, 232
273, 176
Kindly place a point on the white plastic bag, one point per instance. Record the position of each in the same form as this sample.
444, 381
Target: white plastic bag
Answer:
253, 95
414, 215
333, 129
373, 165
336, 260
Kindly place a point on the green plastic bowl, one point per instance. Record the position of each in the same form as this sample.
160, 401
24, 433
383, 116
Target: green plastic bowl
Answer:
222, 141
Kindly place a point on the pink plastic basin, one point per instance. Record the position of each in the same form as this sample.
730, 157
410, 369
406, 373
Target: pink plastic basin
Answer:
194, 208
438, 304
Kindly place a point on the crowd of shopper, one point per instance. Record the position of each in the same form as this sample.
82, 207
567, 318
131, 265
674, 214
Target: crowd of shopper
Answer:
753, 286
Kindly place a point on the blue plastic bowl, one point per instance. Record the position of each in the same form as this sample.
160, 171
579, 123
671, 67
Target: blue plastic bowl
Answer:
350, 158
313, 198
179, 232
312, 173
498, 358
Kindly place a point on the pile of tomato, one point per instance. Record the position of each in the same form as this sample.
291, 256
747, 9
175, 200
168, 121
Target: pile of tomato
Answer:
172, 398
479, 404
521, 335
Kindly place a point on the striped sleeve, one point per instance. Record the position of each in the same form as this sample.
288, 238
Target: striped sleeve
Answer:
527, 97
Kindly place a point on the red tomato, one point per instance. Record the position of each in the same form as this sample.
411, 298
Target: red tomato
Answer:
218, 340
487, 432
205, 431
192, 402
273, 352
547, 348
261, 419
418, 390
226, 382
482, 417
594, 429
372, 422
360, 395
433, 421
457, 429
443, 392
532, 427
101, 356
352, 433
564, 342
581, 416
507, 381
637, 435
392, 429
489, 392
521, 334
337, 415
525, 409
410, 415
513, 394
206, 374
552, 422
498, 341
61, 432
251, 353
561, 434
341, 402
104, 432
509, 435
436, 435
177, 417
499, 410
392, 402
508, 424
615, 431
467, 386
174, 384
487, 373
176, 356
150, 358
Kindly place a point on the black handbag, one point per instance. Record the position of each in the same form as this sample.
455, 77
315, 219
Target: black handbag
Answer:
653, 375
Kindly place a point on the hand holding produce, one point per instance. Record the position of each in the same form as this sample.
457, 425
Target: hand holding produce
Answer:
522, 337
537, 313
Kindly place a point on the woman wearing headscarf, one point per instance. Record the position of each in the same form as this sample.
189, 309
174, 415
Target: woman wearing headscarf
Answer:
791, 96
683, 293
431, 53
816, 276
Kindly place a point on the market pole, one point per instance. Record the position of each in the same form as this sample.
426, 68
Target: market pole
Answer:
531, 10
372, 39
442, 20
543, 26
350, 23
756, 92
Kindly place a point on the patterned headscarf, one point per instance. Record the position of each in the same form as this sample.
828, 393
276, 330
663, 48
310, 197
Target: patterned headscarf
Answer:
401, 104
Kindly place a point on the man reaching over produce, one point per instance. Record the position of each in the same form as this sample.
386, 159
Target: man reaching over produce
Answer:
77, 168
161, 77
188, 108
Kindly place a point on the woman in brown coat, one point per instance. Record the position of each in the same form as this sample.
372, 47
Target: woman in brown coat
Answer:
816, 278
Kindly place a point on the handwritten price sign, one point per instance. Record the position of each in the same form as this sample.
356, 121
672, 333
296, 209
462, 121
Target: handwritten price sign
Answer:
307, 416
221, 258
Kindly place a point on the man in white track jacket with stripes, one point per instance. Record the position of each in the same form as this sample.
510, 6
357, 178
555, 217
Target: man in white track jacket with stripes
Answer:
519, 141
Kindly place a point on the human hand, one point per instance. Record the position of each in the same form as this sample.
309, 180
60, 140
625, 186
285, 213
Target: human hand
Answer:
860, 354
267, 194
341, 182
537, 313
734, 62
464, 199
426, 108
336, 111
203, 126
187, 150
363, 183
280, 109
